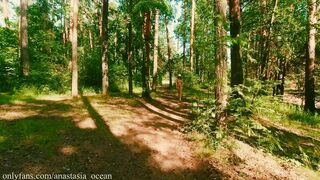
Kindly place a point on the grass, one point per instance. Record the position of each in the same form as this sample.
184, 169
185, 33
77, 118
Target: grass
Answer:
288, 115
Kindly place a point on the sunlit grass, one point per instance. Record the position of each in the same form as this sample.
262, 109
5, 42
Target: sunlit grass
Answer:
289, 115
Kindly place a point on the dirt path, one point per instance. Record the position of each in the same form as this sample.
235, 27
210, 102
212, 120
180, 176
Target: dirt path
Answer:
150, 129
128, 138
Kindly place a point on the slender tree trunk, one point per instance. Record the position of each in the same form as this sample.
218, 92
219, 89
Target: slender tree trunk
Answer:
193, 13
155, 51
74, 43
91, 39
311, 56
184, 33
221, 93
115, 40
24, 53
130, 57
104, 40
130, 52
146, 63
236, 62
268, 41
263, 34
5, 10
169, 52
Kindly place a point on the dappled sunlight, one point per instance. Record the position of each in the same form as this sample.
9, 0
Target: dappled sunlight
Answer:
54, 97
162, 112
97, 134
68, 150
87, 123
152, 128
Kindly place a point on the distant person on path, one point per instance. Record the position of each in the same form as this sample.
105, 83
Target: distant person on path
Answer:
179, 85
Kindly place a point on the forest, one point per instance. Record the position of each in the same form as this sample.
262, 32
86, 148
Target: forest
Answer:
159, 89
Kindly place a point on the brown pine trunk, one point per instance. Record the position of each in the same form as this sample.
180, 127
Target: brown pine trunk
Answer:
236, 62
184, 33
262, 42
24, 53
104, 40
311, 56
169, 52
269, 32
130, 52
155, 51
74, 43
193, 13
221, 63
146, 63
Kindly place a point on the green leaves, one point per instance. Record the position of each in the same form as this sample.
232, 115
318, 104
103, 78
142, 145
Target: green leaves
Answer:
149, 5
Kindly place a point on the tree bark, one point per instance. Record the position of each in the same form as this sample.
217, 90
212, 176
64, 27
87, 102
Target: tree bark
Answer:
221, 93
193, 13
169, 52
266, 48
310, 59
24, 53
104, 40
146, 63
155, 51
184, 34
130, 52
74, 43
236, 62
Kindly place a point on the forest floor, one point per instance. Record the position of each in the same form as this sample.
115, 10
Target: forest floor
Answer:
130, 138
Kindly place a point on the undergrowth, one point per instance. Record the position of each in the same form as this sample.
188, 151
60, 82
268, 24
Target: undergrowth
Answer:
244, 106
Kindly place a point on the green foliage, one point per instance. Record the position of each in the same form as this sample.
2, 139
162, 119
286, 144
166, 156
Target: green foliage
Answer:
9, 71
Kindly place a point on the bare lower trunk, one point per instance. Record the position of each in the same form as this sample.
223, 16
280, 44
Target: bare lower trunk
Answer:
236, 62
221, 93
169, 53
310, 60
146, 63
74, 42
24, 53
155, 51
104, 40
130, 52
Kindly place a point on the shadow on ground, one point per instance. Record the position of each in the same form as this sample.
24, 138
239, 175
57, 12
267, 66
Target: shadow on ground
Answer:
282, 142
55, 137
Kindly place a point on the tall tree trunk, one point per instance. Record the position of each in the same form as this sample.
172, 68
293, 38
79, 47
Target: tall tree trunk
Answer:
74, 43
146, 63
91, 39
221, 62
184, 33
5, 10
169, 52
193, 13
311, 56
263, 34
155, 51
24, 53
266, 53
104, 40
115, 40
130, 52
236, 62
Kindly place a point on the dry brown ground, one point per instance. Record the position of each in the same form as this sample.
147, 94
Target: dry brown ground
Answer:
129, 138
